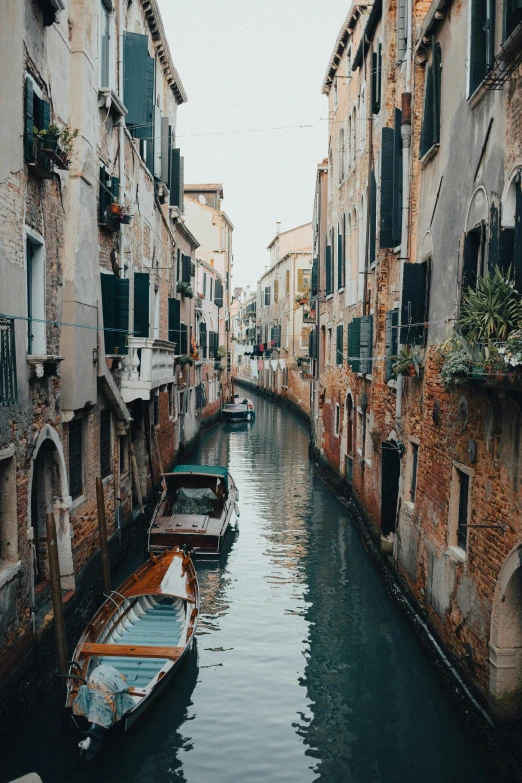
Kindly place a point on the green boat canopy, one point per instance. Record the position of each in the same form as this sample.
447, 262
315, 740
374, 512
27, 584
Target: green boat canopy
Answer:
205, 470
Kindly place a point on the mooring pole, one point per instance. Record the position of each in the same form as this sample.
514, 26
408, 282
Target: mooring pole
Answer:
136, 478
56, 593
102, 529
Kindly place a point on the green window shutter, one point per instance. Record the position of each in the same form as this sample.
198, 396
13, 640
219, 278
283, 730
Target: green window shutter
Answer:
517, 254
494, 238
426, 139
470, 259
185, 269
166, 144
135, 77
218, 294
379, 74
315, 276
44, 114
392, 341
115, 189
373, 218
339, 346
158, 141
376, 80
182, 185
175, 178
174, 322
414, 313
397, 179
203, 339
481, 42
354, 344
183, 349
366, 344
141, 304
328, 270
437, 77
28, 120
148, 132
386, 234
108, 310
312, 344
121, 313
340, 265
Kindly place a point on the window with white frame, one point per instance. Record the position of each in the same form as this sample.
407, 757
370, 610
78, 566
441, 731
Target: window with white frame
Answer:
106, 45
35, 265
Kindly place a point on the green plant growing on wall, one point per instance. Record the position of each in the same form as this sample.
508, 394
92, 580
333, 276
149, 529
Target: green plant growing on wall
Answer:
221, 351
408, 361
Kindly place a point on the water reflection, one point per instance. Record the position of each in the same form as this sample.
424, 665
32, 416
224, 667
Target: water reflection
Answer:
304, 670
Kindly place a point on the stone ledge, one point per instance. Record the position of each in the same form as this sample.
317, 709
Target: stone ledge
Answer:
8, 571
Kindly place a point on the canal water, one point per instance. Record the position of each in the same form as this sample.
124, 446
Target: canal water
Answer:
303, 670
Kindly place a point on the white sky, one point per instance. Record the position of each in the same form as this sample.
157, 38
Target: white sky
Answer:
254, 65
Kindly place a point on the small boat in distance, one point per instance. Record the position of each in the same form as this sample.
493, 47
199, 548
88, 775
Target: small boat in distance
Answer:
133, 646
195, 509
240, 409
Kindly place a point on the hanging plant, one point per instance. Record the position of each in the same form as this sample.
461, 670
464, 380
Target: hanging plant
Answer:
185, 290
408, 362
183, 360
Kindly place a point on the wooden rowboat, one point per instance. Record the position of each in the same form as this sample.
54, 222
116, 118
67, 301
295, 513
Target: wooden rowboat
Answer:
133, 646
195, 509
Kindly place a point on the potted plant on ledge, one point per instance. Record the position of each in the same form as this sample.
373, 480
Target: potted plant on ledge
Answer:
185, 290
408, 362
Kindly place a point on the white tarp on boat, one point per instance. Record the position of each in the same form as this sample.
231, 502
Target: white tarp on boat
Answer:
194, 501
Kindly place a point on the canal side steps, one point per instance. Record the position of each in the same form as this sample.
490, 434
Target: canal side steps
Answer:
150, 624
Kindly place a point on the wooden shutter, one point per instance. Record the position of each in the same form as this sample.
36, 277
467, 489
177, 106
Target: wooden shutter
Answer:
115, 189
386, 233
437, 75
105, 194
175, 178
397, 178
494, 238
340, 266
328, 270
108, 308
354, 344
182, 184
44, 114
185, 269
276, 290
121, 313
287, 282
426, 138
517, 254
315, 277
183, 339
366, 344
479, 42
312, 344
203, 339
300, 281
141, 304
470, 259
148, 132
174, 323
166, 137
414, 311
218, 293
376, 80
392, 341
339, 345
28, 120
373, 218
135, 77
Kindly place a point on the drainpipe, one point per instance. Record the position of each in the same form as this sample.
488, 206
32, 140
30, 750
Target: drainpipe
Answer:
121, 135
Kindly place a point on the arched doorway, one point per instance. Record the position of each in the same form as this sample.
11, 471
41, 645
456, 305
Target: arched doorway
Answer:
48, 493
505, 646
390, 476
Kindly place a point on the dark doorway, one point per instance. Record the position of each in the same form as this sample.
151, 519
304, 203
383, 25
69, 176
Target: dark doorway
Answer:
391, 471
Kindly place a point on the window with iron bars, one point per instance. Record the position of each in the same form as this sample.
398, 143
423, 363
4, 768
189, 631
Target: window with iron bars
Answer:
8, 382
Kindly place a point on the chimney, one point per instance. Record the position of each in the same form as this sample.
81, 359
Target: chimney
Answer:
278, 227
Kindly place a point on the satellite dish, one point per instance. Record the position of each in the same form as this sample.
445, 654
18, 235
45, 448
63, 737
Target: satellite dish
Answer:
202, 199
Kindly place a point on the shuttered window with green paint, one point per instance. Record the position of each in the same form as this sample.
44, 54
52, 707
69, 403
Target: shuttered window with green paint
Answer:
174, 323
203, 339
339, 345
354, 344
482, 41
183, 349
115, 307
392, 341
376, 81
366, 345
177, 180
141, 304
329, 287
373, 219
340, 255
430, 131
135, 77
415, 305
37, 114
218, 294
185, 269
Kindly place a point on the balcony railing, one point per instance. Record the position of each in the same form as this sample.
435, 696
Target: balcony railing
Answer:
149, 364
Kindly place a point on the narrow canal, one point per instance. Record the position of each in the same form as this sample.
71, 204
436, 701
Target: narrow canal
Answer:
304, 670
